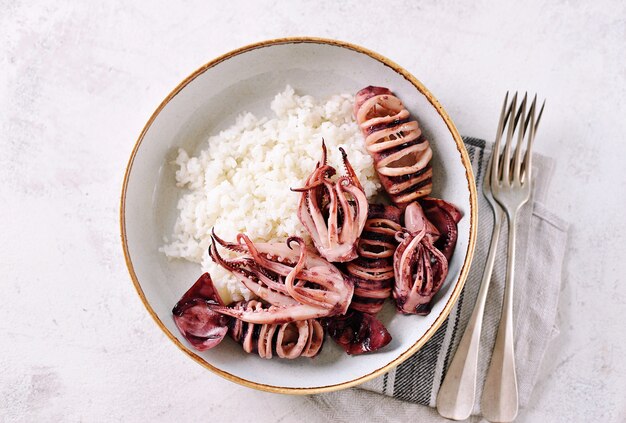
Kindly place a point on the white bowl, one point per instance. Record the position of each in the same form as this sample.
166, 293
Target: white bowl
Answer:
209, 100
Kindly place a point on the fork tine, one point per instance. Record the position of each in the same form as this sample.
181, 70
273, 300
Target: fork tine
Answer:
539, 117
533, 106
521, 132
528, 130
534, 124
495, 154
506, 155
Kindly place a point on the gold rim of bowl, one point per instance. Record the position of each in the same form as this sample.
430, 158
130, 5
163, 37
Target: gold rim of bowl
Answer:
468, 255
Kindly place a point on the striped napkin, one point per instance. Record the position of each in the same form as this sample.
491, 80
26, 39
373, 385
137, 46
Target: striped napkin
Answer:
537, 286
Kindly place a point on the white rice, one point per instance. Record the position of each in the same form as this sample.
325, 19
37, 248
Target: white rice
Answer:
240, 182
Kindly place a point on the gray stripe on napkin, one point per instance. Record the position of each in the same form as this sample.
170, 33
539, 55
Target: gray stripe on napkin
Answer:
420, 367
417, 380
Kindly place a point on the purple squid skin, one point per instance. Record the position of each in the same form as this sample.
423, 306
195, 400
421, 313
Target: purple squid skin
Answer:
205, 328
391, 135
333, 211
421, 259
357, 333
196, 321
294, 280
372, 272
445, 217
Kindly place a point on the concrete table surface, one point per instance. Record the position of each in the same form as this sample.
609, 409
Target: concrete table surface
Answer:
79, 80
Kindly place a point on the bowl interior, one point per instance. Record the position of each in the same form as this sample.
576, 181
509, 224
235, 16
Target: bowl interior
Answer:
209, 102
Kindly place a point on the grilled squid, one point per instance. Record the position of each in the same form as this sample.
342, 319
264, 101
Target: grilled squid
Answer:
201, 326
205, 328
333, 211
421, 260
400, 151
302, 338
357, 333
372, 272
291, 277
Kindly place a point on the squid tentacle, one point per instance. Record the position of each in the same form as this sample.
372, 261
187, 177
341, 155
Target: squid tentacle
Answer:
288, 340
296, 282
333, 212
420, 268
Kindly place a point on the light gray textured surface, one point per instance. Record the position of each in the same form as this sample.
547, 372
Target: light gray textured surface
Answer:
78, 84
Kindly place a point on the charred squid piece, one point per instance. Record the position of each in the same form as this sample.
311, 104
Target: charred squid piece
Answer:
204, 328
378, 238
420, 268
400, 151
302, 338
372, 272
373, 283
357, 332
445, 217
291, 277
196, 321
333, 212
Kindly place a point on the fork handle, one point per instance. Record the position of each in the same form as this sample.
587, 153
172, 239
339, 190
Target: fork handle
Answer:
500, 400
455, 399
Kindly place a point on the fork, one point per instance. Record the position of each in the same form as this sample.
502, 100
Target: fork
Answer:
455, 399
510, 180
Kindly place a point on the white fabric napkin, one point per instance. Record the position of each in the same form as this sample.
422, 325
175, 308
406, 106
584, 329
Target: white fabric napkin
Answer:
542, 237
